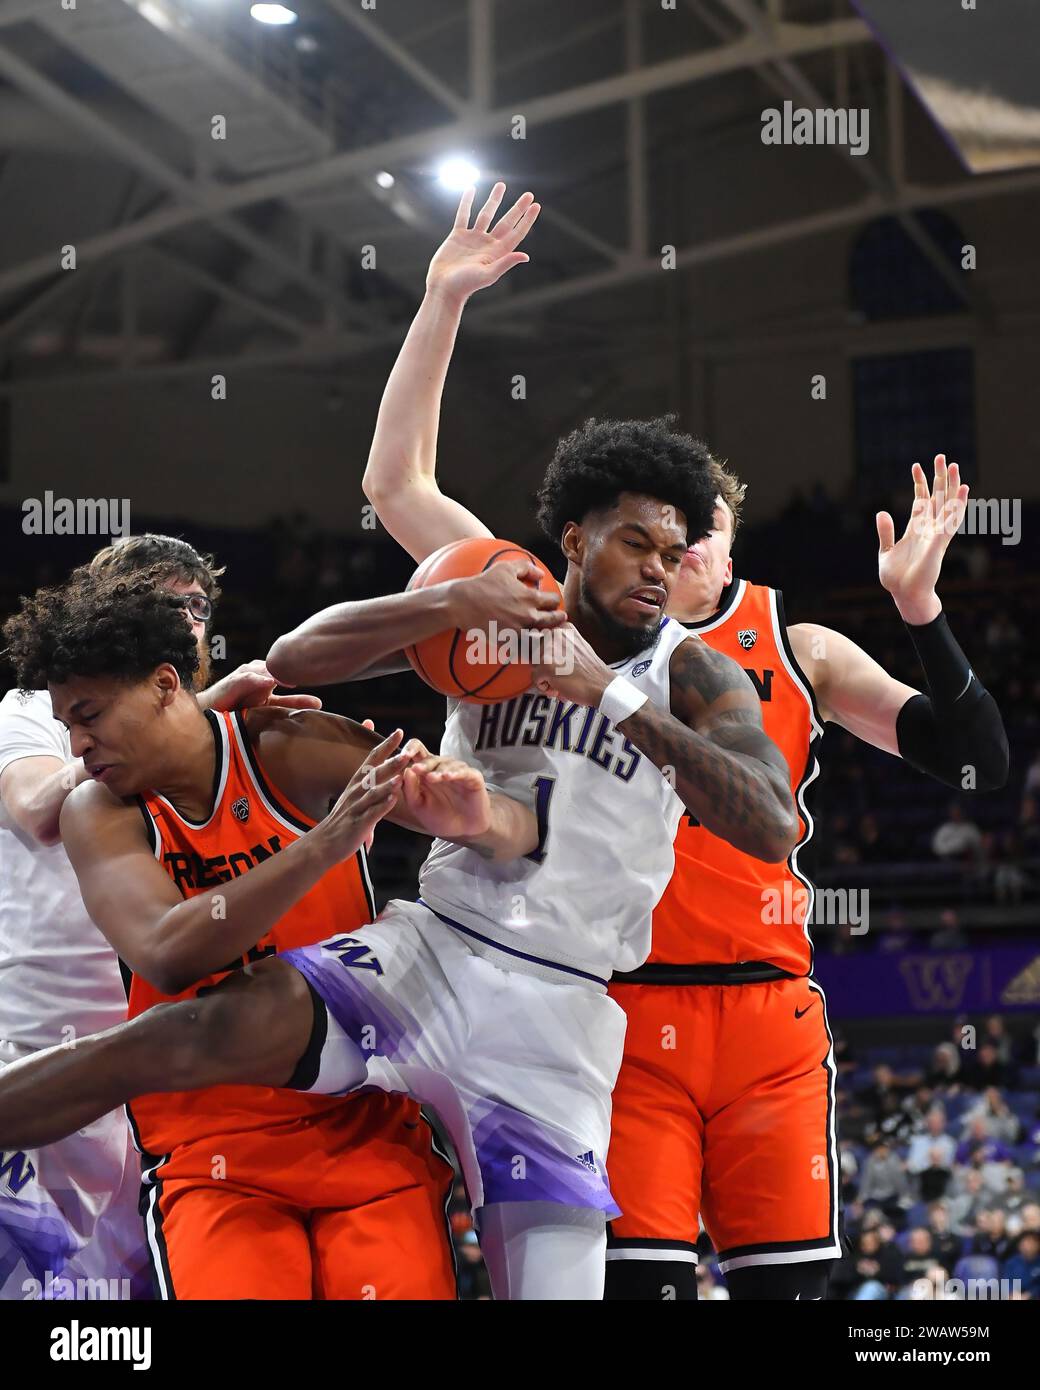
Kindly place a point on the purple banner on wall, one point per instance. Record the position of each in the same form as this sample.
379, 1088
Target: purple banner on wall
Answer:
931, 982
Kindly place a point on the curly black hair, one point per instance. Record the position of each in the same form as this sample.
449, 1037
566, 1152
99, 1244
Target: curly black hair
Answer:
100, 625
601, 459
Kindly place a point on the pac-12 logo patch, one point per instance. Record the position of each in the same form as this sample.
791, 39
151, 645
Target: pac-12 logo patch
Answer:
747, 637
240, 808
640, 667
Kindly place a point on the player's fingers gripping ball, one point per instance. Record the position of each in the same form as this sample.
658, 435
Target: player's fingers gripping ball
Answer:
487, 661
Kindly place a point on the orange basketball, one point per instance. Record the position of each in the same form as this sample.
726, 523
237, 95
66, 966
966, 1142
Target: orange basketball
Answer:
447, 661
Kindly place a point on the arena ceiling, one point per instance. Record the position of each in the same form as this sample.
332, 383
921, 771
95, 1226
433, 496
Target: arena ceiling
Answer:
642, 128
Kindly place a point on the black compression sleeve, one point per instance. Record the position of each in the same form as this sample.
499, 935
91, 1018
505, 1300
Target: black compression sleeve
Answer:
956, 735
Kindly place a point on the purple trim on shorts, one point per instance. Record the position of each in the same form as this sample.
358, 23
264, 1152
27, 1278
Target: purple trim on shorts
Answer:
509, 950
39, 1233
354, 1007
524, 1161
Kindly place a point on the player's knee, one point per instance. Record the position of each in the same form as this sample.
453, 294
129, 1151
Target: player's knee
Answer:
248, 1030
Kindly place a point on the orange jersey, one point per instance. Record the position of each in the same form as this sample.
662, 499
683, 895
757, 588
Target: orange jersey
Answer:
723, 906
250, 821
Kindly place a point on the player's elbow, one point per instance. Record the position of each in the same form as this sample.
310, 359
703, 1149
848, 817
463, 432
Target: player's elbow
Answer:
778, 832
379, 491
44, 827
169, 966
169, 977
40, 821
283, 660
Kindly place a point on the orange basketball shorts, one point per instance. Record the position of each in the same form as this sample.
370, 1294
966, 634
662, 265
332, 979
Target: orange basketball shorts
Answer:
724, 1109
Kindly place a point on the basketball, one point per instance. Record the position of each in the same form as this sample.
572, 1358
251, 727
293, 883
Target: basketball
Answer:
447, 661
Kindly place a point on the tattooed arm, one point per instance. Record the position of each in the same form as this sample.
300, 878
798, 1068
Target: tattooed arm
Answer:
728, 772
725, 769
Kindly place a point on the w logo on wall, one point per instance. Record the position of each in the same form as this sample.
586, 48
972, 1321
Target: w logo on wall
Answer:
936, 983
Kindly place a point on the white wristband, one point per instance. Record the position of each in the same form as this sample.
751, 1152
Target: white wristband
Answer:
620, 699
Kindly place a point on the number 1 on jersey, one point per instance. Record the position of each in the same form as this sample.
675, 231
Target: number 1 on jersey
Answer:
543, 789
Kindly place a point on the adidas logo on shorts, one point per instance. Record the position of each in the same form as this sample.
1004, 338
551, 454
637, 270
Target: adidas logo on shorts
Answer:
587, 1161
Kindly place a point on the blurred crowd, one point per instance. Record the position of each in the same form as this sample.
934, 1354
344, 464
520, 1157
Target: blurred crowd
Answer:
940, 1165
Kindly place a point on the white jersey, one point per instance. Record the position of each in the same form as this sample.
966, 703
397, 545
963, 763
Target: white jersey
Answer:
607, 818
56, 969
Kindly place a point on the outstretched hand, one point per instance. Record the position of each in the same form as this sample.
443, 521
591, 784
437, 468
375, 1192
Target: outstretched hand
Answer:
909, 568
472, 258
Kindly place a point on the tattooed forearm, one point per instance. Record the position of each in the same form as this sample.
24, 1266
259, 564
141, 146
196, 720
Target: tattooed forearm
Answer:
724, 768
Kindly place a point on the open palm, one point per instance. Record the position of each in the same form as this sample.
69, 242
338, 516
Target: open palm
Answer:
471, 258
909, 568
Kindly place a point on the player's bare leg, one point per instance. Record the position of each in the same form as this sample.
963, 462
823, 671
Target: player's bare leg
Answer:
251, 1030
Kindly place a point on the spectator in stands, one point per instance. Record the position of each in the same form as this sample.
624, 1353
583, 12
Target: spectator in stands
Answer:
931, 1285
991, 1234
1010, 880
710, 1285
848, 1165
916, 1108
986, 1069
1001, 1120
933, 1141
1024, 1265
934, 1181
946, 1245
872, 1269
844, 1057
920, 1256
885, 1182
979, 1146
883, 1098
950, 935
966, 1199
895, 936
873, 845
946, 1067
957, 838
1028, 1216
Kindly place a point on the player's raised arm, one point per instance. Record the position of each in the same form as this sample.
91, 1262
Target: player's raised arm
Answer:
724, 767
354, 641
954, 733
400, 479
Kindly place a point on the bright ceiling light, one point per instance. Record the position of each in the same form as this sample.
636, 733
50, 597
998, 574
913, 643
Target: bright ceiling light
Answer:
384, 180
274, 14
458, 173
